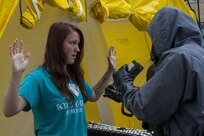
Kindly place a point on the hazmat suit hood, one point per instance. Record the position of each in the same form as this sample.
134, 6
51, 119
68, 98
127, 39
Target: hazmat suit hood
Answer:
170, 28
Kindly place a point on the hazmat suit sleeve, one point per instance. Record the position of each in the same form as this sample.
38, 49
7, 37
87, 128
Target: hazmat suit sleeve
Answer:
159, 98
101, 10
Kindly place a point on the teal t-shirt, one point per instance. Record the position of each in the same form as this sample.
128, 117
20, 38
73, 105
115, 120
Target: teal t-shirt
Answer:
52, 113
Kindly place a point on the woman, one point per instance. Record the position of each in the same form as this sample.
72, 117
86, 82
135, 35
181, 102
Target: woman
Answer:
56, 91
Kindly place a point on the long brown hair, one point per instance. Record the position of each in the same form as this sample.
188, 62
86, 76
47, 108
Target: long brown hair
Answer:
55, 59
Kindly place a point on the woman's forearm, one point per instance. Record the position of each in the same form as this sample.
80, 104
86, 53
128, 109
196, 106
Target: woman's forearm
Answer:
100, 86
12, 101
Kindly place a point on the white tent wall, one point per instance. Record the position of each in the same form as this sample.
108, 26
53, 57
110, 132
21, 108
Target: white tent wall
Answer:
96, 53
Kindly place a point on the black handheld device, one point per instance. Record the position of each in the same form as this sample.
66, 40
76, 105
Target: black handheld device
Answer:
114, 93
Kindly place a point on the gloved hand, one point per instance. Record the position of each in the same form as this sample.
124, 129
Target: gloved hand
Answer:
113, 93
122, 79
122, 76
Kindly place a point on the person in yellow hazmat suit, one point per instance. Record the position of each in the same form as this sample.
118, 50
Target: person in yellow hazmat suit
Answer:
55, 91
171, 102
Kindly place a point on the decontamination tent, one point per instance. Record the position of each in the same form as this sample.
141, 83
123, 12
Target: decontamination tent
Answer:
130, 43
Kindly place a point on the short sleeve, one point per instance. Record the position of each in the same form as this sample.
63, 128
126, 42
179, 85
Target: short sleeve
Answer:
29, 90
88, 89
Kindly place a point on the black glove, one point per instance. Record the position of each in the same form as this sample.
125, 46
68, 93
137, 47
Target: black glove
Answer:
122, 76
113, 93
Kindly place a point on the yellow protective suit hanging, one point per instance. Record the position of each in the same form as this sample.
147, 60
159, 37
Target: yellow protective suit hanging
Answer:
139, 12
77, 10
144, 10
32, 13
101, 10
34, 9
7, 8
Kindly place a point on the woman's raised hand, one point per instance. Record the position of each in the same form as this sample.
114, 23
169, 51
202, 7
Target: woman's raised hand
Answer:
18, 60
111, 58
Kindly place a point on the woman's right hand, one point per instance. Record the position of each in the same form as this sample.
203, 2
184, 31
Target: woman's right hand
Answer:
111, 58
18, 60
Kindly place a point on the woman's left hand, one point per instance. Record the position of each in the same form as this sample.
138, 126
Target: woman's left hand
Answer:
111, 58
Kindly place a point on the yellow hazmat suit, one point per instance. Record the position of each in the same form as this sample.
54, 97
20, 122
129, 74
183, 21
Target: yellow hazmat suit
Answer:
101, 10
34, 9
139, 12
7, 7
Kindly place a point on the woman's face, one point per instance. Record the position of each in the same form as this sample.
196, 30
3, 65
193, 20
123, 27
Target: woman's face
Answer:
70, 47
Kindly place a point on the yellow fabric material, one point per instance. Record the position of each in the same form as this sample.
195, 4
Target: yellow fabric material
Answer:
61, 4
95, 57
29, 16
101, 10
139, 12
144, 10
7, 8
130, 44
89, 106
77, 10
